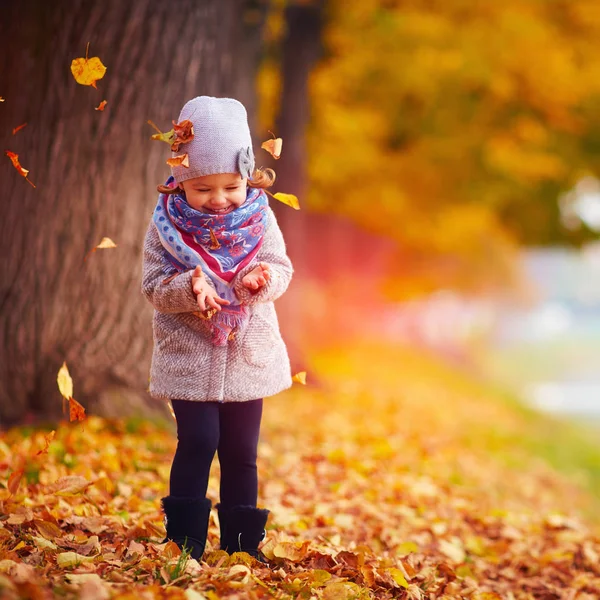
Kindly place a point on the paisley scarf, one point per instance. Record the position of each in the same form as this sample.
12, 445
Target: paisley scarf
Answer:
221, 244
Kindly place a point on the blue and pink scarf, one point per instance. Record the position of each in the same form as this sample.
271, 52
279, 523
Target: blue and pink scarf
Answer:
221, 244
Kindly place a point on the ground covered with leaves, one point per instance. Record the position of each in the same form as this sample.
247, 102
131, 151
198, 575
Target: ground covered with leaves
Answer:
391, 476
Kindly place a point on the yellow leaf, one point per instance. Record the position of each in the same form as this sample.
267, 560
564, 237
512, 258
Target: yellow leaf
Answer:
106, 243
72, 559
273, 147
398, 577
176, 161
44, 544
65, 383
292, 551
300, 378
87, 70
288, 199
70, 485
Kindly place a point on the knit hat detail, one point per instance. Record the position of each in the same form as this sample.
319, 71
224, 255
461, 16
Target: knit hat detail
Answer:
222, 141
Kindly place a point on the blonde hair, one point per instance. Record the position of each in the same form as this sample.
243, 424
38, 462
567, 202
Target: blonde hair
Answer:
261, 178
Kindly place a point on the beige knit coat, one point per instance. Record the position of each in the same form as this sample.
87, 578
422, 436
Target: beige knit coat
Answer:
185, 363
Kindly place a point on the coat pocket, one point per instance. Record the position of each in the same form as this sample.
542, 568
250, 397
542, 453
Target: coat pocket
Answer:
260, 342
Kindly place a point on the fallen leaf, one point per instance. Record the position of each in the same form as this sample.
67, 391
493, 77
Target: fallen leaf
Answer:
70, 485
273, 147
102, 105
300, 378
48, 529
288, 199
19, 128
44, 544
14, 158
76, 411
176, 161
65, 383
47, 440
87, 70
292, 551
72, 559
14, 481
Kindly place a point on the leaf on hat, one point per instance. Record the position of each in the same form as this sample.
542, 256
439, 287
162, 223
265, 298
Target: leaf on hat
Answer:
14, 158
184, 133
300, 377
181, 160
87, 70
288, 199
169, 137
273, 147
19, 128
102, 105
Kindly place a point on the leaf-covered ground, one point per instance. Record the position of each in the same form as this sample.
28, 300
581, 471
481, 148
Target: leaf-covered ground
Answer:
390, 477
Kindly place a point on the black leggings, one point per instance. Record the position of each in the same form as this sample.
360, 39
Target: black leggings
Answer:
229, 428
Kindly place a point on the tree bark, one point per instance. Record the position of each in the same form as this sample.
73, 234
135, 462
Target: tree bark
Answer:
96, 175
300, 51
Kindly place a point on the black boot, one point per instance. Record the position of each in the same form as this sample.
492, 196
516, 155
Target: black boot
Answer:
186, 521
242, 528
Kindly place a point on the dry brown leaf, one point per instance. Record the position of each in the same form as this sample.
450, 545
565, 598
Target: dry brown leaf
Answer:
19, 128
14, 158
76, 411
182, 160
14, 481
87, 70
70, 485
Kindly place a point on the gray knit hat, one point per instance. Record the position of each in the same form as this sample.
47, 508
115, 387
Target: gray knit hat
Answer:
222, 142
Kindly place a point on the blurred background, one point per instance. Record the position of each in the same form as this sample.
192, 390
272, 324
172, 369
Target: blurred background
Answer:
445, 154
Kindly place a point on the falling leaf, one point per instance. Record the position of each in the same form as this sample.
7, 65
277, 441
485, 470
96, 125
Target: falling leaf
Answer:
14, 481
288, 199
2, 99
47, 439
14, 158
214, 242
87, 70
76, 411
104, 243
65, 383
102, 105
300, 378
19, 128
273, 147
176, 161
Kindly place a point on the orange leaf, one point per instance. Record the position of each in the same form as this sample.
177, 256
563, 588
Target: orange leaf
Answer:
87, 70
288, 199
19, 128
101, 105
47, 529
105, 242
183, 160
47, 439
76, 411
300, 377
214, 242
14, 158
184, 132
273, 147
14, 481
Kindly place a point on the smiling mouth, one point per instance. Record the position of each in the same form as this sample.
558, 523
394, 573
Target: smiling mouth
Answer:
220, 211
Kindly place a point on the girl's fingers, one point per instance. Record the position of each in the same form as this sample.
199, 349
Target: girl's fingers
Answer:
221, 300
267, 275
211, 302
201, 303
197, 288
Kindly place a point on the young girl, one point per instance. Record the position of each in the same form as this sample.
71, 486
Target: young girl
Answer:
214, 262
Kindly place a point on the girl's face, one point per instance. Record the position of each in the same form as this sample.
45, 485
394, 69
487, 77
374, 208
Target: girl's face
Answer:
217, 194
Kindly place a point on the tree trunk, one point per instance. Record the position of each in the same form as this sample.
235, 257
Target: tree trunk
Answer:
300, 51
96, 175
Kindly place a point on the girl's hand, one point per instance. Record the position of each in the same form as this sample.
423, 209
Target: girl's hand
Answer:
206, 296
257, 278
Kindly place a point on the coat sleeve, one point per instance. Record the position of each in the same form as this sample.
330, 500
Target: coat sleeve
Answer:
272, 252
167, 294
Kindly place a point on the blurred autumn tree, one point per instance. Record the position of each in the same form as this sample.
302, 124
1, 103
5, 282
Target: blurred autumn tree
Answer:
96, 175
452, 127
